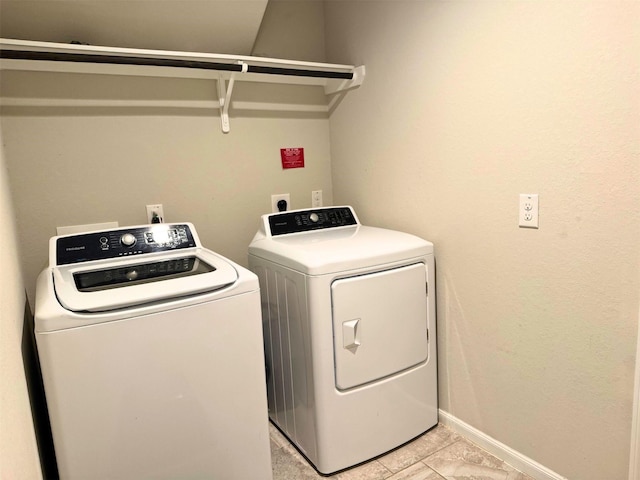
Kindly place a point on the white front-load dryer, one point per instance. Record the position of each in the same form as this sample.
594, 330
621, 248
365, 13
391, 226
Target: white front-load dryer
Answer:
350, 334
152, 360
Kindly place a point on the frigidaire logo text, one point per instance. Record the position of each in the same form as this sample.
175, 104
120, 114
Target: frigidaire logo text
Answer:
71, 249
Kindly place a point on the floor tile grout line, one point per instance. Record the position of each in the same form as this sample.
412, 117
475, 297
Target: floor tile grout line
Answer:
412, 465
484, 452
441, 448
389, 472
386, 471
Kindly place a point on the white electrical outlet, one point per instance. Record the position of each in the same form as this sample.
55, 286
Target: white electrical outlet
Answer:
276, 198
528, 211
155, 213
316, 198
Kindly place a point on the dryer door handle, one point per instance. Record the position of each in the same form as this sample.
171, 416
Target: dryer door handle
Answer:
351, 334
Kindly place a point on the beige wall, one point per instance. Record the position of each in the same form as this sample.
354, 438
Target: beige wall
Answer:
84, 149
466, 105
292, 29
18, 449
73, 165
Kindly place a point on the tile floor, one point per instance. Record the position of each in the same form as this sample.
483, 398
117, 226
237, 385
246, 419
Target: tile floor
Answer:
437, 455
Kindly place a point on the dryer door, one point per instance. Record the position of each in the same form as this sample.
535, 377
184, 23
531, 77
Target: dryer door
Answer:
379, 324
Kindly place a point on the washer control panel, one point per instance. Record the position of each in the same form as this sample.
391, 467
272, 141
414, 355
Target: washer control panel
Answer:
308, 220
123, 242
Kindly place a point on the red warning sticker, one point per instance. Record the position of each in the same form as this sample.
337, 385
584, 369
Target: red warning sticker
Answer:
292, 157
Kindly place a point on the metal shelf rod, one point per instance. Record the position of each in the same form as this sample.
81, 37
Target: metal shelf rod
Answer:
168, 62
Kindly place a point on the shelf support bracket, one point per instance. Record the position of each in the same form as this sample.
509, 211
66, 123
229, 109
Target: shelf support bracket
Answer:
224, 96
335, 87
344, 86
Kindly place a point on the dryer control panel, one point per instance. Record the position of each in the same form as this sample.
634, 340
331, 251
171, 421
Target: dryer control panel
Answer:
307, 220
123, 242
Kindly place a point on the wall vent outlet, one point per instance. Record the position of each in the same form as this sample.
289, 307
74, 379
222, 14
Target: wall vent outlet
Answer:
280, 202
155, 213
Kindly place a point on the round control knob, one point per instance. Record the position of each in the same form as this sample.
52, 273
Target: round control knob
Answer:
314, 217
128, 240
131, 275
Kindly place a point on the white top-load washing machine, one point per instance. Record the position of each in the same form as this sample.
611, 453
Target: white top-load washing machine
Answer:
350, 333
151, 353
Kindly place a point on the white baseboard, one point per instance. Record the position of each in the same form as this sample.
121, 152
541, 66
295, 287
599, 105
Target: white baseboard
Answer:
516, 459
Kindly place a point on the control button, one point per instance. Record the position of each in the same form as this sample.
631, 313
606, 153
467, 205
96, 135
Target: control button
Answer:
314, 217
128, 240
131, 275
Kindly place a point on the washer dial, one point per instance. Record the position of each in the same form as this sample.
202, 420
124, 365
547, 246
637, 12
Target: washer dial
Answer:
128, 240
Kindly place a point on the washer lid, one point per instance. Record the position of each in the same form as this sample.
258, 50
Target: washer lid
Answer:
124, 282
339, 249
